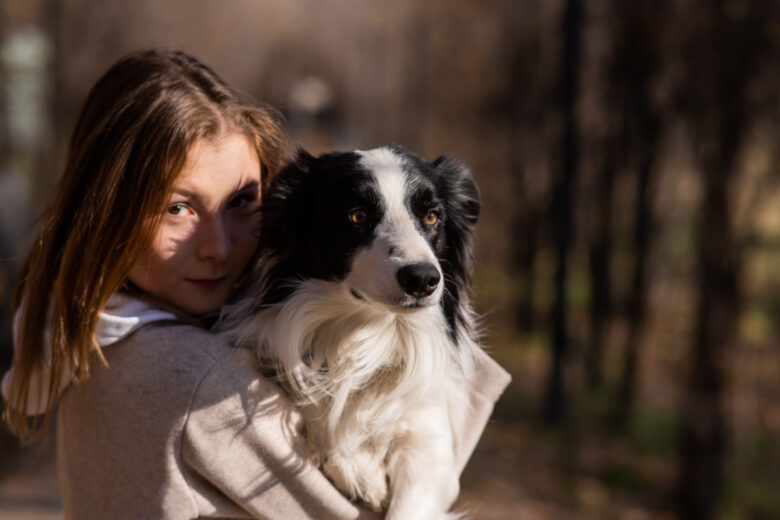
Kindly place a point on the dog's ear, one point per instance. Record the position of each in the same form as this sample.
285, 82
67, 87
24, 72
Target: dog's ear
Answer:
461, 189
461, 197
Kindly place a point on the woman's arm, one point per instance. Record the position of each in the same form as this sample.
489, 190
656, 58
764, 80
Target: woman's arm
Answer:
469, 419
244, 437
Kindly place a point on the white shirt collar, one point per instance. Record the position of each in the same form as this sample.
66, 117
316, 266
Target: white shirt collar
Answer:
121, 316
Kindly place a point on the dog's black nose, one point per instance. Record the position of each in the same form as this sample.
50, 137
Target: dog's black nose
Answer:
418, 280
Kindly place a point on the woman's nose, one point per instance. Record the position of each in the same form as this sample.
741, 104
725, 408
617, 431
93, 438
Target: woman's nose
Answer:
214, 242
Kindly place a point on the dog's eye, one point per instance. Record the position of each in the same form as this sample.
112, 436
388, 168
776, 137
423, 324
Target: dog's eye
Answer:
431, 218
359, 216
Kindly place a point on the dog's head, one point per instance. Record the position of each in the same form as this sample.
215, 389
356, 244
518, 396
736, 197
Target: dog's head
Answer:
393, 229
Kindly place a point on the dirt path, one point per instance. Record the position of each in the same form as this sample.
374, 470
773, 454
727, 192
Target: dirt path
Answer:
28, 485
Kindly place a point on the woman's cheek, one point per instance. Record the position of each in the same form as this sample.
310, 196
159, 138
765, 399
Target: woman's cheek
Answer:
174, 239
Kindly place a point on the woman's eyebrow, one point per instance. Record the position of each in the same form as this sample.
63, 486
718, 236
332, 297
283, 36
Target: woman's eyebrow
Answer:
250, 185
187, 193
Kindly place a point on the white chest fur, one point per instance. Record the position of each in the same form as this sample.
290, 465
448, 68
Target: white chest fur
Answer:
373, 387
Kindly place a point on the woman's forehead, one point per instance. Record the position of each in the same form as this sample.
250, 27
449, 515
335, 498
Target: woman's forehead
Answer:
220, 164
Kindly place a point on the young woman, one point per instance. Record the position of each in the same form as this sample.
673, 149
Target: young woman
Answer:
153, 225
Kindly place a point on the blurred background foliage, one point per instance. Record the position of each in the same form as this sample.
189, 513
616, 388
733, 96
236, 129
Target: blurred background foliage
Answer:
628, 256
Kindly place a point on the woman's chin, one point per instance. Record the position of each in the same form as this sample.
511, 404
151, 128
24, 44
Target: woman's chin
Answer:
196, 303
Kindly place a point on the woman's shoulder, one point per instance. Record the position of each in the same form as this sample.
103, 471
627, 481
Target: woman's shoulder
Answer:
181, 339
124, 423
149, 379
164, 355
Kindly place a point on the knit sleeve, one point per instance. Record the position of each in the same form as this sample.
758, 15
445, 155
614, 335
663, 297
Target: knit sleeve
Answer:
469, 419
243, 448
243, 441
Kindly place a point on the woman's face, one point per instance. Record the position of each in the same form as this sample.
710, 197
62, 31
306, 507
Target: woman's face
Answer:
210, 228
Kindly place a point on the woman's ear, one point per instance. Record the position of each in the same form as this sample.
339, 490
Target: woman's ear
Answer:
461, 189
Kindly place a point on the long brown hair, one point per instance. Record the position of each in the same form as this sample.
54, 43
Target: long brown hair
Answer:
129, 145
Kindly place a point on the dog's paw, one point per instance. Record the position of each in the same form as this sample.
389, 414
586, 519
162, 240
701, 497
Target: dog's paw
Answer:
361, 476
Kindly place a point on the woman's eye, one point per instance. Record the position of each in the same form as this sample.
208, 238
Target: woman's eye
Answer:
431, 218
240, 202
358, 216
178, 210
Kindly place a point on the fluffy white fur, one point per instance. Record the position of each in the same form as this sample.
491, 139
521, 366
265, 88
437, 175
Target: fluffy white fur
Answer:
373, 387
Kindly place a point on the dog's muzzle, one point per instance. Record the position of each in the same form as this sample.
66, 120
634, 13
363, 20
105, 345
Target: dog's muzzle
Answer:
418, 280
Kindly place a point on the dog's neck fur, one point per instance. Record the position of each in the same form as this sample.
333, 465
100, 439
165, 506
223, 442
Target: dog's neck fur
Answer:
327, 346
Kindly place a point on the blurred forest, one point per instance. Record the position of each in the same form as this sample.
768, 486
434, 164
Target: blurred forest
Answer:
628, 256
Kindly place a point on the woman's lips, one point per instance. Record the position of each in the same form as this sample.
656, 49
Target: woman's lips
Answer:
207, 283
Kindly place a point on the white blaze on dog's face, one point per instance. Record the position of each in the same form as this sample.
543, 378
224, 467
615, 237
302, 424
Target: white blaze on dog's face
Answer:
385, 227
397, 267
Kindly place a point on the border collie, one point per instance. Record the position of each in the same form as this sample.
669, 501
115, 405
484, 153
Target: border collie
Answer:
360, 303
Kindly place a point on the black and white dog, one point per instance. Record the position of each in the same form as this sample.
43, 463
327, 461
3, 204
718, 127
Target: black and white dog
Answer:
361, 302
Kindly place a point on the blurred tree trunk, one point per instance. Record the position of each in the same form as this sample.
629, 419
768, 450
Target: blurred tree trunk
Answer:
52, 21
524, 245
704, 431
555, 404
636, 62
643, 225
729, 49
523, 115
599, 264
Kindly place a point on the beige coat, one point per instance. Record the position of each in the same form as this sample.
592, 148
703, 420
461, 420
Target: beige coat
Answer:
181, 425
